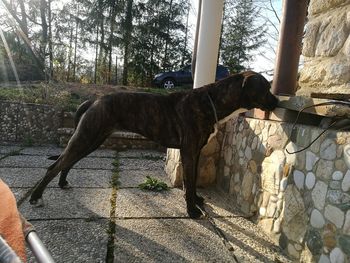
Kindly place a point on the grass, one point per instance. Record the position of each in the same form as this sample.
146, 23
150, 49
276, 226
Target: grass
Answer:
164, 91
61, 95
153, 184
41, 94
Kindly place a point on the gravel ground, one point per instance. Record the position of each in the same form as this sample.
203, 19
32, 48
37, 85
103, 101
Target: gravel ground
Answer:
96, 221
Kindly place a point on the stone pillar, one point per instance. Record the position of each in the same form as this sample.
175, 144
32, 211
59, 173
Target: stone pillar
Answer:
326, 49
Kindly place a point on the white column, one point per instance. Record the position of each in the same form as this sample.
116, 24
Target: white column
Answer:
207, 54
208, 42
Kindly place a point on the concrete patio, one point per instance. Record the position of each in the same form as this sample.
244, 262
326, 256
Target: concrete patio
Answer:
100, 221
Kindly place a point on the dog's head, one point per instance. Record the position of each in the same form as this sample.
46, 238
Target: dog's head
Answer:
256, 92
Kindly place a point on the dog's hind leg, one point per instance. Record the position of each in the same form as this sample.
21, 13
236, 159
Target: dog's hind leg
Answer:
77, 149
63, 183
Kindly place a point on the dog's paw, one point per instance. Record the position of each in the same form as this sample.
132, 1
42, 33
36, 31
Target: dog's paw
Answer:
65, 185
194, 213
199, 200
37, 202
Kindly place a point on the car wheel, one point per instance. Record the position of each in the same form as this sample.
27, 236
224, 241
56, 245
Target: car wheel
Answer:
168, 84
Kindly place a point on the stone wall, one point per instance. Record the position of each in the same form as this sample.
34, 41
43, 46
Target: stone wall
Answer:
29, 123
326, 48
301, 200
45, 124
207, 163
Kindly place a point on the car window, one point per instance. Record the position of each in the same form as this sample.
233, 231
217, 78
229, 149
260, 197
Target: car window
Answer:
186, 68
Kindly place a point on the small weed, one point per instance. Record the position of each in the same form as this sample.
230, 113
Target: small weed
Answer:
28, 141
115, 176
115, 180
153, 184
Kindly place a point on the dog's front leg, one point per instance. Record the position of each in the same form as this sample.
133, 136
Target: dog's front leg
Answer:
189, 161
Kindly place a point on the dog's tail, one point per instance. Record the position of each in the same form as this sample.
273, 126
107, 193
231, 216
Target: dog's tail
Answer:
81, 110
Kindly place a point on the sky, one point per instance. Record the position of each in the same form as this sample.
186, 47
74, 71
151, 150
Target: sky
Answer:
260, 63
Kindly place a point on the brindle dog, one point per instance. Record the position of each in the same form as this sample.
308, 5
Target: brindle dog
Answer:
182, 120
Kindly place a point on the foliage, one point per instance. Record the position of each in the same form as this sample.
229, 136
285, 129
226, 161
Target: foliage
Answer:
153, 184
109, 41
86, 40
240, 34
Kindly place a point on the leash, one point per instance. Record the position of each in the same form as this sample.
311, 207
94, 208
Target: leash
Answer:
213, 107
333, 102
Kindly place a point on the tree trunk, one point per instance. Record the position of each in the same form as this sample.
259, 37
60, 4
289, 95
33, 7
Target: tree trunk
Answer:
110, 47
165, 61
116, 71
96, 56
50, 40
127, 36
44, 35
70, 54
75, 47
24, 24
186, 38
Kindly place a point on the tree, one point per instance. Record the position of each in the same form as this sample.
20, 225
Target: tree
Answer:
241, 35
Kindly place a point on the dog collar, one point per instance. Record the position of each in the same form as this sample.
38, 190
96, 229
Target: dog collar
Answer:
213, 107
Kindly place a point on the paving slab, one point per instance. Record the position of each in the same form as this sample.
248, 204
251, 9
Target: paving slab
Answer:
95, 163
71, 203
73, 240
249, 242
42, 150
133, 203
25, 161
41, 161
27, 177
217, 204
142, 154
54, 150
168, 240
6, 149
19, 193
132, 178
140, 164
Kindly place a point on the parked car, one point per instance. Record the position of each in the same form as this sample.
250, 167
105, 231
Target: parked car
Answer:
169, 80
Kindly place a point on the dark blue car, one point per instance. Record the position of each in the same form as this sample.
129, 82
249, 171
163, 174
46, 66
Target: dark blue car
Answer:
169, 80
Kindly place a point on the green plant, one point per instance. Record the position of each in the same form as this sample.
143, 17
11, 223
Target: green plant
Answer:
153, 184
28, 141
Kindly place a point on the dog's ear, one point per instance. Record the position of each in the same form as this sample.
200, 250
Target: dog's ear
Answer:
248, 78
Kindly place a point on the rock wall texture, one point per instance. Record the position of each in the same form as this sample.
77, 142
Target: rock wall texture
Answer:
301, 200
207, 164
29, 123
326, 48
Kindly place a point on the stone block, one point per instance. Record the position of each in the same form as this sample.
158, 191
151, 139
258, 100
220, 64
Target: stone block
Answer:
332, 35
318, 6
319, 195
335, 215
